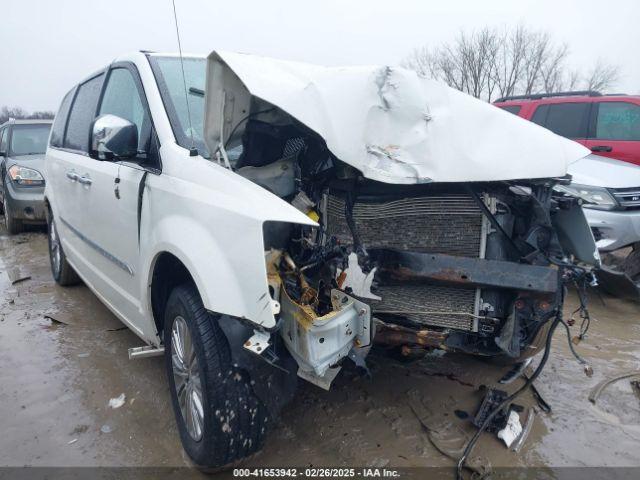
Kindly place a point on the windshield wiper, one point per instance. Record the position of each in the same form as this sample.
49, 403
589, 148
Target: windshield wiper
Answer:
196, 91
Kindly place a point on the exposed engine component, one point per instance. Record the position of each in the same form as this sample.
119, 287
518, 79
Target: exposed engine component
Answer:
468, 267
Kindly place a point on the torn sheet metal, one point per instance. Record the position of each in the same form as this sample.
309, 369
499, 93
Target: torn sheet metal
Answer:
388, 122
318, 343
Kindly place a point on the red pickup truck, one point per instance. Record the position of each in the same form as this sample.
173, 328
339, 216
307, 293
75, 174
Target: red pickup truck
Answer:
607, 124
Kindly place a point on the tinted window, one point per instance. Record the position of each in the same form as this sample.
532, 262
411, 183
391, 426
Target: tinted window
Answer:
29, 139
122, 98
568, 119
82, 114
57, 131
540, 115
515, 109
618, 121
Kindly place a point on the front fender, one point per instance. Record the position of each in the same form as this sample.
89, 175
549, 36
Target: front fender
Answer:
213, 223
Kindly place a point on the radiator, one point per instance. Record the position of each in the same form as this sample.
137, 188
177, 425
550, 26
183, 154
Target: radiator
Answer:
448, 224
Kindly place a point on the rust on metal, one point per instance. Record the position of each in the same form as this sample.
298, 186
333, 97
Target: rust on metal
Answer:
396, 266
395, 335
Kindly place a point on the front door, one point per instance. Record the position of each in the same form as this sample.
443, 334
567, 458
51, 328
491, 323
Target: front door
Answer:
112, 211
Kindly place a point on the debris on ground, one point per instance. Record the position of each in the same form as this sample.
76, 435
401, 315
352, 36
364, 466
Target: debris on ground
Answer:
55, 321
491, 400
106, 429
83, 355
71, 442
599, 388
118, 401
526, 430
447, 438
512, 430
517, 371
16, 277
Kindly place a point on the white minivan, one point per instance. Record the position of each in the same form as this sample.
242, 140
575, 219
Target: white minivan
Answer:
257, 220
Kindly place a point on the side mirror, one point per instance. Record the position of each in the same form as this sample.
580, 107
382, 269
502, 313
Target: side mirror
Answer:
113, 138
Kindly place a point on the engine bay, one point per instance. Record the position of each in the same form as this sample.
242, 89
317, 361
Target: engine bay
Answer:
468, 267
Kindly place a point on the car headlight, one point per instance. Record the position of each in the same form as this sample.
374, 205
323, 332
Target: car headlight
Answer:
25, 176
594, 197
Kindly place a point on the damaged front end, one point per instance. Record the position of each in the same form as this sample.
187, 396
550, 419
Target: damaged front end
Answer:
471, 268
413, 264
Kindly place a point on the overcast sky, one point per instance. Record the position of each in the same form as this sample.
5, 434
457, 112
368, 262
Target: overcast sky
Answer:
48, 45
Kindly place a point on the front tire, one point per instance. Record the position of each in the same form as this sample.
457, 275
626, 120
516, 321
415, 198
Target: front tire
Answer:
219, 418
14, 226
63, 273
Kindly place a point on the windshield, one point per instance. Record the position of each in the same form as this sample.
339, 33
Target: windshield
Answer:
187, 121
30, 139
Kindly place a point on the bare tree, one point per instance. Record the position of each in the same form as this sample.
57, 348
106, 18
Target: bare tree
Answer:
488, 63
18, 113
602, 76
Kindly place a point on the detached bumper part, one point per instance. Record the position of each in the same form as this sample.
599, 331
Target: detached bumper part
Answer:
319, 343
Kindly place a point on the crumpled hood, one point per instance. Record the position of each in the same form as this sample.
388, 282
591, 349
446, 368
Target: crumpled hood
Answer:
599, 171
388, 122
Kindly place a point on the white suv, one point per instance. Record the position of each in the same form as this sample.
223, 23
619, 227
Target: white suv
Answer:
258, 220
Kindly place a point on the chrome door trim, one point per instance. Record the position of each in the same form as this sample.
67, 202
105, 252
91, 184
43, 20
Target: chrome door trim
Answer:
124, 266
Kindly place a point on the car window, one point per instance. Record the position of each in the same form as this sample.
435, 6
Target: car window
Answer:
57, 131
82, 114
29, 139
515, 109
566, 119
540, 115
618, 121
168, 73
122, 98
3, 139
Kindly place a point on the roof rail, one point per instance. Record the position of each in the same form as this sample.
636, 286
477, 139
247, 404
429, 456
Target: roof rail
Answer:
538, 96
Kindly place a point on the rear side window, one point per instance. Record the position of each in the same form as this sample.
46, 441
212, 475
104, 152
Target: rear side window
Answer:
618, 121
82, 114
57, 131
567, 119
515, 109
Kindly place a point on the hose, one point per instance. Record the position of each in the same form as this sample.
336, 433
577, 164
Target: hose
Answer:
469, 448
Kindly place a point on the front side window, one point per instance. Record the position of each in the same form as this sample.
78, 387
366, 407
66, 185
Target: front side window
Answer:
122, 98
82, 114
187, 122
29, 139
618, 121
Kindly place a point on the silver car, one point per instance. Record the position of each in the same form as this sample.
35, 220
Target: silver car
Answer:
23, 144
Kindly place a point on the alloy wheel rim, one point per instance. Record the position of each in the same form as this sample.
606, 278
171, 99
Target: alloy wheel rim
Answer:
54, 243
186, 376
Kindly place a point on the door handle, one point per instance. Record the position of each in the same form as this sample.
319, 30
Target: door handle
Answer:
73, 176
601, 148
85, 180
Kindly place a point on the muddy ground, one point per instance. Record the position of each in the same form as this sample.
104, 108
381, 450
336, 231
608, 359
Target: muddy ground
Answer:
56, 381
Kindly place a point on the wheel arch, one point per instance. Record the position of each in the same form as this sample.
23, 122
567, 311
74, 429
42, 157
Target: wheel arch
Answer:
168, 271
